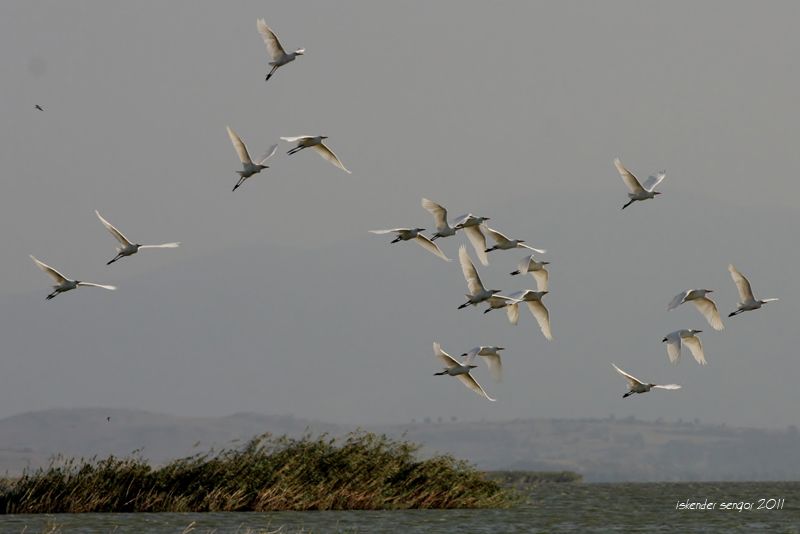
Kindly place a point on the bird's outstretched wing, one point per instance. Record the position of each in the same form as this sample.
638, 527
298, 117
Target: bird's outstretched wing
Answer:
113, 230
52, 273
162, 245
268, 154
632, 380
667, 386
388, 231
238, 144
677, 300
653, 181
274, 48
709, 311
542, 316
472, 384
539, 250
674, 346
627, 177
296, 139
446, 360
495, 365
541, 276
90, 284
696, 347
745, 291
478, 241
430, 246
438, 212
470, 274
328, 154
499, 238
512, 312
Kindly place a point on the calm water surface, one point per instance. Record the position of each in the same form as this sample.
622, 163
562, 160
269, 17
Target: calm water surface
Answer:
553, 508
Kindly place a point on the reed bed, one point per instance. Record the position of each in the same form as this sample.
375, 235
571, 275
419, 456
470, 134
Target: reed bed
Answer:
361, 471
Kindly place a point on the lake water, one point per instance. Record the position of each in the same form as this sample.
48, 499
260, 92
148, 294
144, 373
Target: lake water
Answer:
551, 508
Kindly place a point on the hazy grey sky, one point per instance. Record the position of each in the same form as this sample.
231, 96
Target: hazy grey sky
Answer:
279, 301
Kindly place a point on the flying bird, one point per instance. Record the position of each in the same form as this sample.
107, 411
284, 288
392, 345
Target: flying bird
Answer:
62, 282
407, 234
537, 270
490, 355
477, 293
637, 190
274, 48
248, 167
675, 340
443, 229
40, 108
534, 301
127, 248
747, 301
460, 370
704, 304
315, 142
501, 242
472, 228
637, 386
497, 302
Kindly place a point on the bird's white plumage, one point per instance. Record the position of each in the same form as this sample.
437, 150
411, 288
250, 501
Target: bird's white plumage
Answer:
119, 236
666, 386
709, 310
430, 246
239, 146
274, 48
52, 273
470, 274
328, 154
742, 285
653, 181
674, 346
162, 245
104, 286
478, 241
268, 154
438, 211
630, 180
696, 348
297, 138
632, 380
465, 378
542, 316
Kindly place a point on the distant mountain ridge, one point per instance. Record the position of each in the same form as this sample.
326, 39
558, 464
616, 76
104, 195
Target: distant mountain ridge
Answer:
599, 449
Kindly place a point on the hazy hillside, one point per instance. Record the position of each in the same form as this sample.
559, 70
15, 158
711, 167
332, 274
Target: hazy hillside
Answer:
599, 449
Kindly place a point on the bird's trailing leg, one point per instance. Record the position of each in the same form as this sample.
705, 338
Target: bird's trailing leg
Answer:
118, 256
240, 182
737, 312
628, 204
51, 295
295, 149
464, 305
396, 239
269, 75
439, 374
628, 394
515, 273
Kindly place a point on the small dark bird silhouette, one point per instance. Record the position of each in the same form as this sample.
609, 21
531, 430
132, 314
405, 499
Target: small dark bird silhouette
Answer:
40, 108
108, 418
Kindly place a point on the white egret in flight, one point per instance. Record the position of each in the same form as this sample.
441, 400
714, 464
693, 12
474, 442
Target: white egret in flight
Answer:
704, 304
315, 142
637, 386
62, 282
274, 48
126, 248
637, 190
460, 370
747, 301
407, 234
675, 341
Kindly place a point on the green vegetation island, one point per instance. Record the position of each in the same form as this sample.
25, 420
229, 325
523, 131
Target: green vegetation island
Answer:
360, 471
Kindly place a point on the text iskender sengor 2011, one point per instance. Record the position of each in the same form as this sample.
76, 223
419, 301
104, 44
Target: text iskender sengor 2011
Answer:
759, 504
